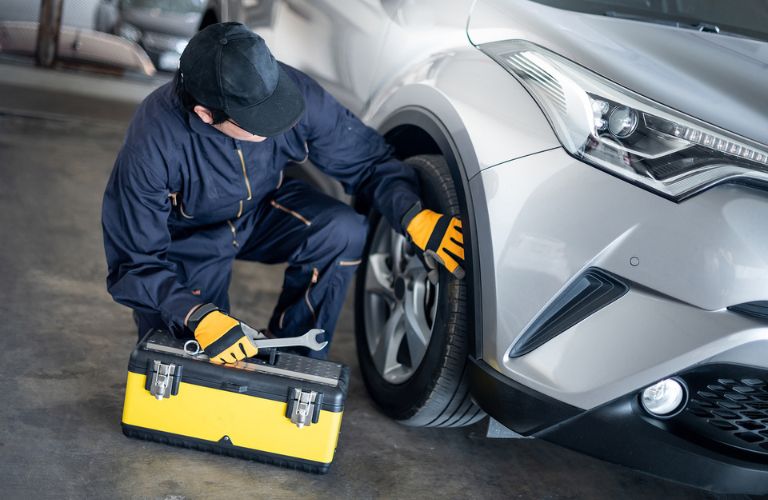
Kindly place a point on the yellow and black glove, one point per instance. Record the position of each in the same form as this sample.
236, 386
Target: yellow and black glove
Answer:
220, 336
439, 236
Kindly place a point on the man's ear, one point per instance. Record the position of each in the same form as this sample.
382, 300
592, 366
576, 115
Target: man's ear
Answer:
203, 113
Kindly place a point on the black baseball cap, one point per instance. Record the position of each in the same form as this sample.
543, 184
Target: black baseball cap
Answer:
228, 67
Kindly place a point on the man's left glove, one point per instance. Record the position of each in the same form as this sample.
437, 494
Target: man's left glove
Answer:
440, 237
220, 336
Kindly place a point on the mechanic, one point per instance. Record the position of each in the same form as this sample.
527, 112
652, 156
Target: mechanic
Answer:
199, 182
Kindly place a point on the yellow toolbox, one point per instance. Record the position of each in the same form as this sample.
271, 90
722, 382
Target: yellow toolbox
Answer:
285, 411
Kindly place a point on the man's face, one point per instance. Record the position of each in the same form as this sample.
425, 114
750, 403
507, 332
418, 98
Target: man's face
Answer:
228, 127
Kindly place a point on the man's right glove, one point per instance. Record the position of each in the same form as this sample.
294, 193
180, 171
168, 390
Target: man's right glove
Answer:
220, 336
440, 237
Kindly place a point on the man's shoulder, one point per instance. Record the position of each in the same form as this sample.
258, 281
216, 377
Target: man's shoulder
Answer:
307, 85
159, 121
160, 109
155, 133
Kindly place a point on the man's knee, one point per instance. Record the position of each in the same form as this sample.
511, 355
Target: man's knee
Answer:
345, 232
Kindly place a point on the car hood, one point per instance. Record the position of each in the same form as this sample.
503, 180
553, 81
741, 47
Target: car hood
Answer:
183, 25
719, 79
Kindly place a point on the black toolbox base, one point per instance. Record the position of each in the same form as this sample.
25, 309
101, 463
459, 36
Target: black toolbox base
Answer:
224, 448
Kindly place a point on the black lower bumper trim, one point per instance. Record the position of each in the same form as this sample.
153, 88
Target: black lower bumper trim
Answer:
620, 432
518, 407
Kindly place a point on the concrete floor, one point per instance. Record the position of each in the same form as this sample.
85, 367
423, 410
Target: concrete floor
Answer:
65, 347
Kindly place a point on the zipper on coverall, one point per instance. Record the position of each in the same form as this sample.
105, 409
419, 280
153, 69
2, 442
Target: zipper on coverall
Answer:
248, 190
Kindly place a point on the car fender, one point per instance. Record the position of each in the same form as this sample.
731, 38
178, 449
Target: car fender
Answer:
489, 116
479, 116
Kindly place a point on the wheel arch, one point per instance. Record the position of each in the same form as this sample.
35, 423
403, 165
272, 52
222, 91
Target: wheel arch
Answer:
462, 104
414, 130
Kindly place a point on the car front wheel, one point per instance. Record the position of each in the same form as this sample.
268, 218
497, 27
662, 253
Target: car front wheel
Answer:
411, 322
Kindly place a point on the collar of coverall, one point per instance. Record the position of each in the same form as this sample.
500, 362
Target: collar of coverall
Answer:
199, 126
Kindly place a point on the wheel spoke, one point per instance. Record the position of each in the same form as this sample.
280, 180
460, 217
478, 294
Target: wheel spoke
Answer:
417, 331
414, 268
385, 352
378, 279
396, 251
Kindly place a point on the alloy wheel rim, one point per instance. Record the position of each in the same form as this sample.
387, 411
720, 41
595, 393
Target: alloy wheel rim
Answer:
400, 305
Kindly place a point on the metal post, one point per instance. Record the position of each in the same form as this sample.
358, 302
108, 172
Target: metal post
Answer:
48, 32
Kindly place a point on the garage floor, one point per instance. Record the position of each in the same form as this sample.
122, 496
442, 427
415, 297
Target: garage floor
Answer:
65, 347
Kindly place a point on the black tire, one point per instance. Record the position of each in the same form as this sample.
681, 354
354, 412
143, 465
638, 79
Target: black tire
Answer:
437, 394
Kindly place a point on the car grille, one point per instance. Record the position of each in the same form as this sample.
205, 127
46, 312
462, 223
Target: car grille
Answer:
728, 406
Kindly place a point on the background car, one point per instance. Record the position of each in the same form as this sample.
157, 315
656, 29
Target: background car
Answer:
609, 160
161, 27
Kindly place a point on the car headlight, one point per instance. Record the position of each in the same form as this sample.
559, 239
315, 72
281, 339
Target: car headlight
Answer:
626, 134
129, 32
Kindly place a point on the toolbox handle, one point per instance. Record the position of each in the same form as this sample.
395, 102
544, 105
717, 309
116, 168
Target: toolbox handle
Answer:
232, 387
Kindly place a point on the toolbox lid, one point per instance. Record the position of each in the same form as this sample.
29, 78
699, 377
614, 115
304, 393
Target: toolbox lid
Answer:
256, 377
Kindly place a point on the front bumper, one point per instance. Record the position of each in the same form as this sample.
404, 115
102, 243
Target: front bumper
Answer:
708, 445
552, 220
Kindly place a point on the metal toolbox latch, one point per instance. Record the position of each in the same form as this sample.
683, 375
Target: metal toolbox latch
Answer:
303, 407
164, 381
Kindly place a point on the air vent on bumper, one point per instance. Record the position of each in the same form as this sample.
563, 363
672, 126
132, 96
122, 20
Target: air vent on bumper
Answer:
758, 309
588, 293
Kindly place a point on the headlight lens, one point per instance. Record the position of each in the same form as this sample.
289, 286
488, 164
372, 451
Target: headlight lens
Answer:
626, 134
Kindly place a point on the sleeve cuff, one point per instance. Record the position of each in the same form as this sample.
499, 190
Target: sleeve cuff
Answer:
412, 212
175, 310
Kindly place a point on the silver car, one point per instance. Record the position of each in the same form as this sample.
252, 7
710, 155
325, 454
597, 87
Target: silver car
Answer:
610, 161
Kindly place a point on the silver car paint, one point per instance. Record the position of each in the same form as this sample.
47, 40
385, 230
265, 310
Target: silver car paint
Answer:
549, 216
554, 216
489, 126
427, 62
717, 78
633, 343
334, 42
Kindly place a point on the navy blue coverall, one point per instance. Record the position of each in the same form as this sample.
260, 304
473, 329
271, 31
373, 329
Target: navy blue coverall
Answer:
184, 200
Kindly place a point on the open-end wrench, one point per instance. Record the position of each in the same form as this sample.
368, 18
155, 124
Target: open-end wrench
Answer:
308, 340
261, 341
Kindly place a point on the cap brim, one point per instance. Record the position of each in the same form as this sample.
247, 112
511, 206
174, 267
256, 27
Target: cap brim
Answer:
273, 116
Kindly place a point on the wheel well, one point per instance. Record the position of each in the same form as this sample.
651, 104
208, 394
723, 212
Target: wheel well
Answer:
208, 18
410, 140
414, 131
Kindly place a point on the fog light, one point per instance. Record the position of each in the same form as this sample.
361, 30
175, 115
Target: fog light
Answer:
664, 399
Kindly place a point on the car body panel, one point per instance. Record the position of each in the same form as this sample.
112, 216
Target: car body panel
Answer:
182, 25
492, 118
695, 259
78, 45
518, 129
352, 34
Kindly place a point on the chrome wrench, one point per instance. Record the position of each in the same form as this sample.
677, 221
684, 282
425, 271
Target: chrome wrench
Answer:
260, 341
308, 340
